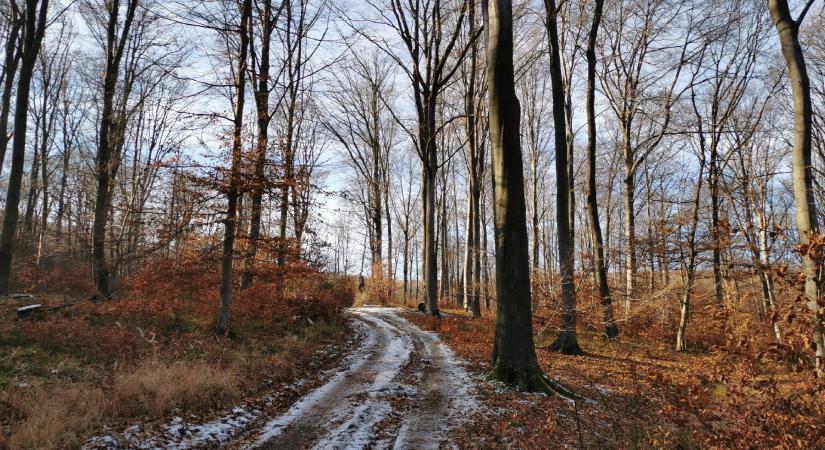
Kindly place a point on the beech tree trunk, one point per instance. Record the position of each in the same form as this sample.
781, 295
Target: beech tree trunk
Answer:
106, 165
805, 204
14, 46
566, 342
611, 331
690, 264
233, 191
430, 166
33, 29
514, 356
262, 144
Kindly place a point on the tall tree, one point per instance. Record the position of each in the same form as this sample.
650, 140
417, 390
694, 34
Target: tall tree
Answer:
611, 331
514, 354
475, 173
233, 192
359, 120
637, 62
107, 161
34, 27
429, 32
803, 180
566, 342
262, 86
13, 50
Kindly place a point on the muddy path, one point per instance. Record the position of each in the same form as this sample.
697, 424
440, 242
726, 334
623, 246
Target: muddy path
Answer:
402, 389
399, 387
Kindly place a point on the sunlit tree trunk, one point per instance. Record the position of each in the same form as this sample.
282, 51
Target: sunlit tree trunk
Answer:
611, 331
806, 218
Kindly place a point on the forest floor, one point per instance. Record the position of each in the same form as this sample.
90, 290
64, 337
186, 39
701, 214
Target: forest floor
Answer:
130, 374
143, 371
633, 395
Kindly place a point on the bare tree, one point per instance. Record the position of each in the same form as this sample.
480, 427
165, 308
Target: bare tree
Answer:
34, 27
262, 87
429, 32
362, 124
806, 219
13, 52
117, 36
611, 331
234, 188
566, 342
514, 355
637, 38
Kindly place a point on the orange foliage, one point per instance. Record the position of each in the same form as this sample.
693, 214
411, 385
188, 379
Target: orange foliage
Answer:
734, 389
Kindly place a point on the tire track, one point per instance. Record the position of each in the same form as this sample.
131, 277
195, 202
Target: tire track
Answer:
361, 402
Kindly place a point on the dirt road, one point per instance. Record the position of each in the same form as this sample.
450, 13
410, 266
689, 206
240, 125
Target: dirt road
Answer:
402, 389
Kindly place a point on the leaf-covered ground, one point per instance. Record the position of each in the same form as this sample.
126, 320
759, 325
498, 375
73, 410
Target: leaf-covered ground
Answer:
638, 394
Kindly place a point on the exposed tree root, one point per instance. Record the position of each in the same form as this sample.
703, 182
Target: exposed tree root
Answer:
528, 380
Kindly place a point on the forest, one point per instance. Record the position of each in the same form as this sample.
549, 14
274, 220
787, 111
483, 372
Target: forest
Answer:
412, 224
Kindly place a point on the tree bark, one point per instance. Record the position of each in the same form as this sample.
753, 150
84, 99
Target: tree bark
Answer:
611, 331
514, 356
233, 192
566, 342
106, 159
806, 218
262, 145
33, 30
14, 47
690, 265
429, 169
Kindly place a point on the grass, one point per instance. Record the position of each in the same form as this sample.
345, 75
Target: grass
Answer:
158, 388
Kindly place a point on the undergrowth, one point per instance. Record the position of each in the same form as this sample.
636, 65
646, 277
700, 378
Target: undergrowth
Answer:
150, 352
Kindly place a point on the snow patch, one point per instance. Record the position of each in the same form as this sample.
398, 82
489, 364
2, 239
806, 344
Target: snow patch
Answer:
180, 433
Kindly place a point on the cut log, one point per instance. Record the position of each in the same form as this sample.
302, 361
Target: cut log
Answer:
29, 311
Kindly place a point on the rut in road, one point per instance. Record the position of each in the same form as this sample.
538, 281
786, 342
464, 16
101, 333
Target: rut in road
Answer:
402, 389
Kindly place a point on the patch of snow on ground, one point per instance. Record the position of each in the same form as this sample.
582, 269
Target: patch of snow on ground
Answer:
352, 362
180, 434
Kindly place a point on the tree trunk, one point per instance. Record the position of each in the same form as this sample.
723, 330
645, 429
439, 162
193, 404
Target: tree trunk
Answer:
430, 165
534, 200
566, 342
485, 256
630, 238
264, 117
11, 61
444, 285
690, 265
106, 159
713, 184
611, 331
35, 26
233, 192
806, 219
514, 356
